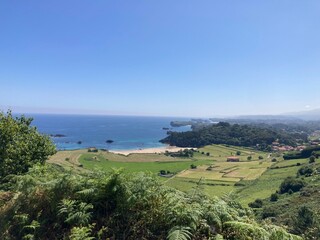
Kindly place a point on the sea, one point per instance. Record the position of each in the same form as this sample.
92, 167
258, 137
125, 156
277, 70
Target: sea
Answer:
84, 131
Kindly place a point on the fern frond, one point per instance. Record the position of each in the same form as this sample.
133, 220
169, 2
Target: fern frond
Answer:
180, 233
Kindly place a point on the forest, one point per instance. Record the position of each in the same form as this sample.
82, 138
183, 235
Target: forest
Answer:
232, 134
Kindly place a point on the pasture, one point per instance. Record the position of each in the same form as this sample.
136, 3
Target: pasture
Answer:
250, 179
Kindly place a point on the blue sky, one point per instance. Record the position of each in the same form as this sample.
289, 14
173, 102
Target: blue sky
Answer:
169, 58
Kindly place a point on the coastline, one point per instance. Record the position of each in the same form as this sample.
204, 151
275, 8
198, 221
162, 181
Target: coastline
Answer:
148, 150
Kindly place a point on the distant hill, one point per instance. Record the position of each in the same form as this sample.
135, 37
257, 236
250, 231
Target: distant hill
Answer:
311, 115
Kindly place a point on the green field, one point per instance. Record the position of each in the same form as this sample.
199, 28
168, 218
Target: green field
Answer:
257, 178
99, 162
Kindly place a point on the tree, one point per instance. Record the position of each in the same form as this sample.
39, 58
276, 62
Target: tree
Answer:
21, 145
312, 159
290, 185
238, 153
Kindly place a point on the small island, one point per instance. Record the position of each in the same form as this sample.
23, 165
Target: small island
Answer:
57, 135
109, 141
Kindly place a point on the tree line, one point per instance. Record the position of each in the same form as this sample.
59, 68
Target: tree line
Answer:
225, 133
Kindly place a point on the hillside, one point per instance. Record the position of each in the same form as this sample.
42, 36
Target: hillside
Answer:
225, 133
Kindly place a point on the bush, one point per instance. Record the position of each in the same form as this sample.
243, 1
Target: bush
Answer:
238, 153
274, 197
208, 154
256, 204
192, 166
269, 212
274, 160
249, 158
305, 171
291, 184
260, 157
312, 159
305, 219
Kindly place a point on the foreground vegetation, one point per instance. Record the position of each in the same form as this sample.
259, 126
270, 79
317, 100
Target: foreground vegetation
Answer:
50, 203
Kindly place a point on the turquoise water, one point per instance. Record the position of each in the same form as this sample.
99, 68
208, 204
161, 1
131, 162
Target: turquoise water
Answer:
127, 132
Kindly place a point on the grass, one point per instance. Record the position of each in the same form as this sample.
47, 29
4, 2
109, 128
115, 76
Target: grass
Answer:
211, 188
267, 184
99, 162
221, 152
229, 171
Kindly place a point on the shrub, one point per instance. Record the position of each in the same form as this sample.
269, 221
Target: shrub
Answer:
260, 157
269, 212
293, 184
256, 204
305, 171
238, 153
274, 197
192, 166
312, 159
274, 160
249, 158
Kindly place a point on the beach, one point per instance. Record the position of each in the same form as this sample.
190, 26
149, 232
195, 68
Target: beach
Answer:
149, 150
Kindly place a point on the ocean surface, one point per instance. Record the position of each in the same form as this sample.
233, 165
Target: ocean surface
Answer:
127, 132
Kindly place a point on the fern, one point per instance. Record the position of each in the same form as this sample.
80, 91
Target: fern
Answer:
81, 233
179, 233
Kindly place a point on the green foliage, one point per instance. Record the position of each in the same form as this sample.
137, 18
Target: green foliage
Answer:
305, 153
312, 159
225, 133
51, 203
21, 146
81, 233
186, 153
291, 184
238, 153
256, 204
274, 197
75, 213
243, 231
305, 219
305, 171
192, 166
180, 233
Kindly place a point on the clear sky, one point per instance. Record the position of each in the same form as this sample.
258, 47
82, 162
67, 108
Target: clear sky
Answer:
171, 58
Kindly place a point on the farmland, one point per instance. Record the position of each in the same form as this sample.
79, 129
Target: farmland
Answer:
256, 175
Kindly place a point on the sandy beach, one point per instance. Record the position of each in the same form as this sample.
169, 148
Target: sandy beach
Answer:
149, 150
